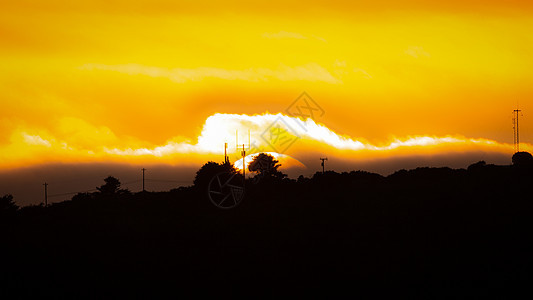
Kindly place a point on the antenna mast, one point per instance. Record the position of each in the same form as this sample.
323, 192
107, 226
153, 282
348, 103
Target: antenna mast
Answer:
226, 160
243, 163
515, 129
323, 159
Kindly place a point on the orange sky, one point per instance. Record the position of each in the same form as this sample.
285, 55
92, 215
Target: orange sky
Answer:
137, 81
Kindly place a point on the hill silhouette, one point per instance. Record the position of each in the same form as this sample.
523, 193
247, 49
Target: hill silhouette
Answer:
422, 233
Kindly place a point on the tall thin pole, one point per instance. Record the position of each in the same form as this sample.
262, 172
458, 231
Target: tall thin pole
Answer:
45, 194
516, 131
225, 153
243, 163
323, 164
143, 169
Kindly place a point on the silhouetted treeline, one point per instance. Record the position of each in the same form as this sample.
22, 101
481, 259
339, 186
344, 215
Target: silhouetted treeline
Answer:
422, 233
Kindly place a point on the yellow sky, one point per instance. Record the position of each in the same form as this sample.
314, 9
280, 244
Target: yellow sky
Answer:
99, 80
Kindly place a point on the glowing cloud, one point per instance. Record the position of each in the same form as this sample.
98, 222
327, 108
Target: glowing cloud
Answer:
35, 140
284, 159
76, 140
219, 129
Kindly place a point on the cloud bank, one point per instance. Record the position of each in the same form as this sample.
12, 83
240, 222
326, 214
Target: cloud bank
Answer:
77, 141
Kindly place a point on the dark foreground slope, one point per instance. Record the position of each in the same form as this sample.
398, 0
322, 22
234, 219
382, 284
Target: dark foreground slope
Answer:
435, 233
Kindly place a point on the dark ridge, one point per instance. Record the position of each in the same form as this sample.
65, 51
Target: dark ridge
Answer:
422, 233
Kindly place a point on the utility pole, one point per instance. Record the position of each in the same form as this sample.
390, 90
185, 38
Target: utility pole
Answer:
516, 132
225, 153
323, 164
143, 169
243, 164
45, 194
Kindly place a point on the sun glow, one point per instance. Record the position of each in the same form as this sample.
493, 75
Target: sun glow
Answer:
85, 143
284, 159
171, 81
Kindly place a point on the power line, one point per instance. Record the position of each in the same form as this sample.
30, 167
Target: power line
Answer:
71, 193
163, 180
129, 182
95, 189
87, 191
46, 196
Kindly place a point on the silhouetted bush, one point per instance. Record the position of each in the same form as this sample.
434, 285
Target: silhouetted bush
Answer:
112, 188
523, 159
208, 171
265, 165
477, 166
83, 196
8, 208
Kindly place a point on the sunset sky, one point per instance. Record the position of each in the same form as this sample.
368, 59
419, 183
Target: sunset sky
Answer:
168, 82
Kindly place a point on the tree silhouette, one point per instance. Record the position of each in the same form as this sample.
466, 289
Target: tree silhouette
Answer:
411, 226
523, 159
7, 205
84, 196
265, 165
111, 186
477, 166
209, 170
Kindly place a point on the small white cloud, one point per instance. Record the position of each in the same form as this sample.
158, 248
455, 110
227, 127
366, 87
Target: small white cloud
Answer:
319, 38
284, 35
417, 52
340, 63
363, 73
35, 140
291, 35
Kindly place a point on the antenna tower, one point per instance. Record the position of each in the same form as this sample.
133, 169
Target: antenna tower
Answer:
516, 133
